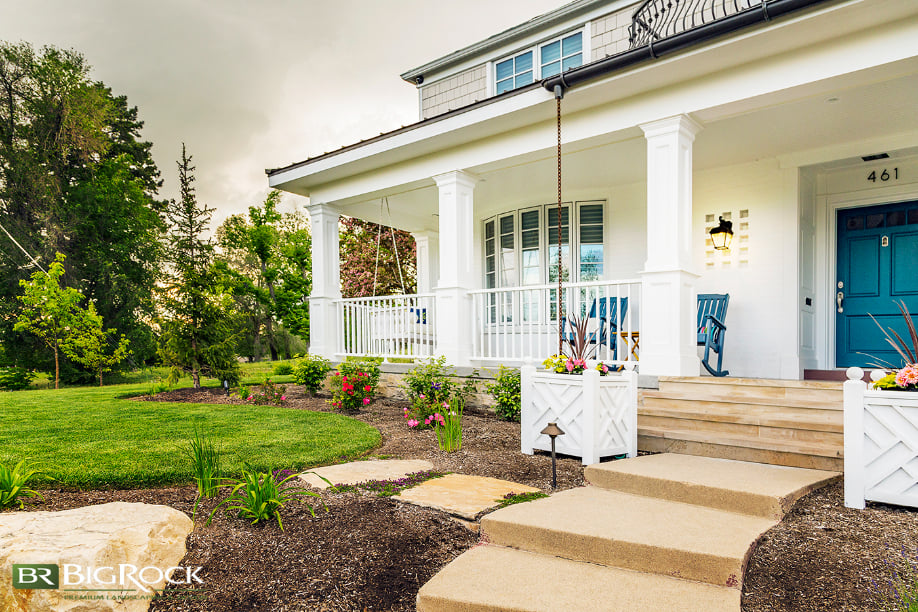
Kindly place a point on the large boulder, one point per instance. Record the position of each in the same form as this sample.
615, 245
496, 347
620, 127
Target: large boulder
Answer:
120, 550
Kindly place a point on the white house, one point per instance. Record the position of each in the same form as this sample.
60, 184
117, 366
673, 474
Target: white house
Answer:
796, 120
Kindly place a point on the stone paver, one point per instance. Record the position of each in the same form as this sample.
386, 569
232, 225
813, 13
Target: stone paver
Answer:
461, 495
361, 471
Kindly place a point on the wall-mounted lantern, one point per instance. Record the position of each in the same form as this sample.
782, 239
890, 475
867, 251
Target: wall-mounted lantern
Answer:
722, 235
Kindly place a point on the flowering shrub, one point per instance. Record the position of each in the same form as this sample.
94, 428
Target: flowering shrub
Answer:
311, 371
562, 364
430, 387
267, 393
506, 391
354, 385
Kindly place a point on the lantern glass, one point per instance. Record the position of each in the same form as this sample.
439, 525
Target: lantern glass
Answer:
722, 235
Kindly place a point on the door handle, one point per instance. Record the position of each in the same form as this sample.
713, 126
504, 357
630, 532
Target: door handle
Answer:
839, 297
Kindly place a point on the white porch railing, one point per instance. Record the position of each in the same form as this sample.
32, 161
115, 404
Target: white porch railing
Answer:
387, 326
519, 323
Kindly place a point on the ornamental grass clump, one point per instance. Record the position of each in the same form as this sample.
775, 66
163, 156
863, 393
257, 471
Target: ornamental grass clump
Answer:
448, 425
205, 463
354, 385
311, 371
14, 485
260, 497
430, 385
899, 591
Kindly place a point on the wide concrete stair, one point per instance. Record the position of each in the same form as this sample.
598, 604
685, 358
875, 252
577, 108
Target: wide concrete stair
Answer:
781, 422
659, 532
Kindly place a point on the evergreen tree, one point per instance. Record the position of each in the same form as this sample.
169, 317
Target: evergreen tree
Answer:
199, 325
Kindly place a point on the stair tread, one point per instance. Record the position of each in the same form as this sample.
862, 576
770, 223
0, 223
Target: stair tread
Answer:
737, 486
805, 448
754, 382
494, 578
632, 532
828, 422
827, 405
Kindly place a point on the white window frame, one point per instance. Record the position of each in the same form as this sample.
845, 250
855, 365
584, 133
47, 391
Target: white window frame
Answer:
584, 31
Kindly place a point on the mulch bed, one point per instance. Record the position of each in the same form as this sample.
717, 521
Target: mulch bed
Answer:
371, 553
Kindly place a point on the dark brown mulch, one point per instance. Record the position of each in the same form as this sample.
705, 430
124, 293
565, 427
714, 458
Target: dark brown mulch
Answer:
370, 553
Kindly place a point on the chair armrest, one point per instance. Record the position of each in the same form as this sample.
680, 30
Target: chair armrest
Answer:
717, 322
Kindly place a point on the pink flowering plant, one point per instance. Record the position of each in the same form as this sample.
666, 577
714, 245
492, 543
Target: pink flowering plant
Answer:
448, 425
430, 385
265, 394
354, 385
906, 377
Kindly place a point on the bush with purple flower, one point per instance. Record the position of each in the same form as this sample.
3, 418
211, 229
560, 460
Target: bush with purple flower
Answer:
431, 385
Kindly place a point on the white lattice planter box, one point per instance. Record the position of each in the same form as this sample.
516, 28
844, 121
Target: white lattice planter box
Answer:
598, 414
881, 445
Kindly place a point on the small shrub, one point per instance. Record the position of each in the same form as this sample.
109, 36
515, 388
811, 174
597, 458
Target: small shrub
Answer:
311, 371
267, 393
518, 498
506, 391
388, 488
14, 485
354, 385
282, 369
205, 463
15, 379
430, 387
260, 497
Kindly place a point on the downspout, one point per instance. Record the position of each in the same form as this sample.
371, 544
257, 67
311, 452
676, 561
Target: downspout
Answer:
677, 42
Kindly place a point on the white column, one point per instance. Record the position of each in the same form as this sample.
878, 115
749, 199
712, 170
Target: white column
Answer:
668, 296
427, 247
454, 304
326, 281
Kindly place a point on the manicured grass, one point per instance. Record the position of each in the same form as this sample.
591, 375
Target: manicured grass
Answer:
90, 437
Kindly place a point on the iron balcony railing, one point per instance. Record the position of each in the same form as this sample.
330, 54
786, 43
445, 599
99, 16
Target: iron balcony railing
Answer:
658, 19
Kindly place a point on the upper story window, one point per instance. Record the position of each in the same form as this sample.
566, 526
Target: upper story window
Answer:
544, 60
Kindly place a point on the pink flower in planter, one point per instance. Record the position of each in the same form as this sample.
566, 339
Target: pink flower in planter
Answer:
569, 366
907, 375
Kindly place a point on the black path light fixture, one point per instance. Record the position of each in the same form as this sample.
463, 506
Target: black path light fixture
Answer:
553, 431
722, 235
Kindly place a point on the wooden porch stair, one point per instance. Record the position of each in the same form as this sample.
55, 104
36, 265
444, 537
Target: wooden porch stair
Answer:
781, 422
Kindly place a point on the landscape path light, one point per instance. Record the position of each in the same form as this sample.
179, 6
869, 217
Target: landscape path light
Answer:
553, 431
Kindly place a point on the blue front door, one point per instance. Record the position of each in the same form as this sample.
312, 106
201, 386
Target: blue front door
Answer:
877, 266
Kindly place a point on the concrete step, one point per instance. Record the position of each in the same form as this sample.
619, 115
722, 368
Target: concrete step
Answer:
631, 532
750, 488
831, 420
494, 578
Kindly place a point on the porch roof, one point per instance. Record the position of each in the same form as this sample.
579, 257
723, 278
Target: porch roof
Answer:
436, 145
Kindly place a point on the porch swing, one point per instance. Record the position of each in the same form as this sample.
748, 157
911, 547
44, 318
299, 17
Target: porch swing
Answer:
397, 325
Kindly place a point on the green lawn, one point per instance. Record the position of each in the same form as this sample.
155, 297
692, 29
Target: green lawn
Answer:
89, 437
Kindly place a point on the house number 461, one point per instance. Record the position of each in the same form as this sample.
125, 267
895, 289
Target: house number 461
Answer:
883, 176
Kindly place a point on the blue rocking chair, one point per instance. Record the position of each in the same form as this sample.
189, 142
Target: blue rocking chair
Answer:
712, 310
608, 323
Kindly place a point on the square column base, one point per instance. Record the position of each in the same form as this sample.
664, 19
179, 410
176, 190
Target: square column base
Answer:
323, 327
454, 325
669, 324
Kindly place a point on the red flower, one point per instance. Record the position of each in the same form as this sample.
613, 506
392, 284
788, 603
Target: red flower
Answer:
366, 388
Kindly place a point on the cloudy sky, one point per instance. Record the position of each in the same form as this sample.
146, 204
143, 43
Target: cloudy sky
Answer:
249, 85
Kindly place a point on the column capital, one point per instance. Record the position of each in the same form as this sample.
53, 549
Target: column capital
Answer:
322, 208
461, 177
682, 124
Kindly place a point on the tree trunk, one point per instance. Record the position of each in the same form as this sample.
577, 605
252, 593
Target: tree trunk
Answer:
100, 378
57, 370
271, 344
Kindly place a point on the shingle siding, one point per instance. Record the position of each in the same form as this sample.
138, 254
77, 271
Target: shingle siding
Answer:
609, 33
453, 92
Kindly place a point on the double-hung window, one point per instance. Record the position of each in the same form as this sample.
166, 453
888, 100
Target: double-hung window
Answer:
543, 60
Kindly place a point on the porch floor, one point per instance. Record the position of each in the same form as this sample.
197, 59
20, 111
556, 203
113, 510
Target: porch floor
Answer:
781, 422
